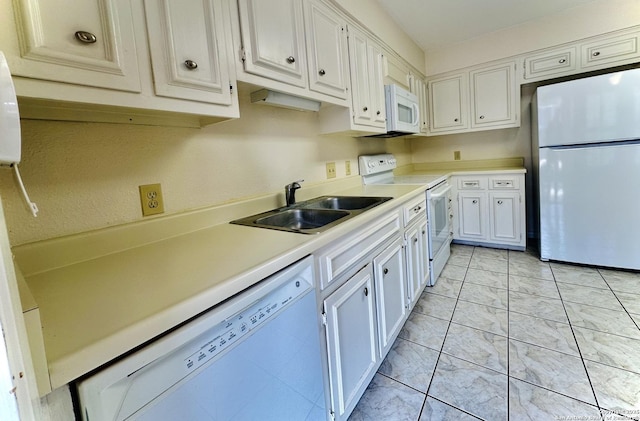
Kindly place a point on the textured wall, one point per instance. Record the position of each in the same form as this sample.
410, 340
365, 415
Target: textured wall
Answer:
86, 175
597, 17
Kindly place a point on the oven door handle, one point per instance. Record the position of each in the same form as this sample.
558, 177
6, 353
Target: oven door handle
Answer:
441, 193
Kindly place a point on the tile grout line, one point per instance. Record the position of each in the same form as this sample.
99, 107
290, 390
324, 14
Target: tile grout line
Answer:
595, 397
426, 393
616, 295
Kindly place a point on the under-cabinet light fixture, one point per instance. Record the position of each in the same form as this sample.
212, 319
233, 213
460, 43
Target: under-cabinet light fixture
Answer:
279, 99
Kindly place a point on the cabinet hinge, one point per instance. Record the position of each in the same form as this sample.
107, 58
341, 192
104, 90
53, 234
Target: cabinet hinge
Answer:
243, 54
332, 415
324, 318
231, 88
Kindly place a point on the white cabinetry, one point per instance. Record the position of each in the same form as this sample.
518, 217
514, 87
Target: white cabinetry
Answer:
493, 96
391, 292
273, 39
351, 340
614, 49
121, 62
327, 50
419, 89
367, 87
79, 42
489, 94
185, 40
448, 103
490, 209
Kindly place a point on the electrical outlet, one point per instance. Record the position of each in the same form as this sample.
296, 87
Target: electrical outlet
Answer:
151, 199
456, 155
347, 167
331, 170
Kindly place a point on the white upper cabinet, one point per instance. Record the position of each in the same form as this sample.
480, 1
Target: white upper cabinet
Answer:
490, 94
448, 103
87, 42
327, 50
610, 51
493, 96
549, 64
367, 85
188, 50
273, 38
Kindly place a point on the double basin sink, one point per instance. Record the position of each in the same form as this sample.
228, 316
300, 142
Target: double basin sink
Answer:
313, 216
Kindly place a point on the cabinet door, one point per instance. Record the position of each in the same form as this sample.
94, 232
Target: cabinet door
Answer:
415, 265
493, 96
391, 293
424, 250
351, 340
612, 51
273, 40
376, 84
88, 42
448, 103
504, 214
362, 107
419, 88
472, 214
187, 43
550, 64
327, 50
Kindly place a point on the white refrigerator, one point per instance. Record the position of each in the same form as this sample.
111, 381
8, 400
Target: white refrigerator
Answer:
586, 137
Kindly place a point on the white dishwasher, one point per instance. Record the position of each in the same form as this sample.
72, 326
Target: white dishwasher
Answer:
256, 356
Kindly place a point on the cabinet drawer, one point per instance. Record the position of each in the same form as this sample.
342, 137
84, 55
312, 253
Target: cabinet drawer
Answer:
335, 261
508, 182
550, 63
618, 50
414, 208
472, 183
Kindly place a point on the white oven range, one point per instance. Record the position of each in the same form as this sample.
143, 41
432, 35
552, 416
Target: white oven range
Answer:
378, 169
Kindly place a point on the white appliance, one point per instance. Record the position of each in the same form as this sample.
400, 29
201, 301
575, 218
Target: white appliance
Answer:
403, 112
378, 169
10, 138
256, 356
587, 143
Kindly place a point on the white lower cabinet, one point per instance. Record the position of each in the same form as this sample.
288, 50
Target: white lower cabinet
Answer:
417, 258
351, 340
490, 210
391, 292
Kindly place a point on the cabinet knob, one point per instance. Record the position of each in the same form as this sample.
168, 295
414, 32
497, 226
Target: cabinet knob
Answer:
190, 64
366, 291
499, 202
291, 59
415, 240
562, 60
86, 37
377, 112
455, 119
481, 117
385, 271
423, 231
322, 72
596, 53
474, 202
365, 108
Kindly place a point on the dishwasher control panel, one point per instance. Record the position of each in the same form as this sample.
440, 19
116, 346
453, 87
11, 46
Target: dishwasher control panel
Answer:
223, 336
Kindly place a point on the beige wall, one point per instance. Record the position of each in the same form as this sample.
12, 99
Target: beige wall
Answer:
591, 19
371, 15
86, 175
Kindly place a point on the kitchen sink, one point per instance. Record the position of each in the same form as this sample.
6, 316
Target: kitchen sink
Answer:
344, 202
312, 216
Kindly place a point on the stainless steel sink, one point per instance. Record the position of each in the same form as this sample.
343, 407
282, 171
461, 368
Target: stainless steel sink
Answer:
313, 216
344, 202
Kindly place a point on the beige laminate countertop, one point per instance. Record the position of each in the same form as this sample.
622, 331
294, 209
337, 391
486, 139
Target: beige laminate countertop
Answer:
104, 293
94, 309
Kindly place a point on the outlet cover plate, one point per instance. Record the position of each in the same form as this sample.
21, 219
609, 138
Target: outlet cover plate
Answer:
151, 199
331, 170
347, 167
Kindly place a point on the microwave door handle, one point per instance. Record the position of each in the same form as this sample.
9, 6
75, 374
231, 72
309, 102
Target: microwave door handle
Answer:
416, 117
441, 193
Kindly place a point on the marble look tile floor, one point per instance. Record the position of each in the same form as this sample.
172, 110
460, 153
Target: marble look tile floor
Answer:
505, 336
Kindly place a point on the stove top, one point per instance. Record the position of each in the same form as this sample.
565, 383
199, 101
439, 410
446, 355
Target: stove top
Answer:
378, 169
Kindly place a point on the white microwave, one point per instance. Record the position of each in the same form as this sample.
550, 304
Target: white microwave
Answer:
403, 113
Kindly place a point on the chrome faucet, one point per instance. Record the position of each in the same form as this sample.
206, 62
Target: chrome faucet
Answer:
290, 192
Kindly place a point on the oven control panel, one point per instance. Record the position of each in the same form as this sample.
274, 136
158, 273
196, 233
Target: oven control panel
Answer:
374, 164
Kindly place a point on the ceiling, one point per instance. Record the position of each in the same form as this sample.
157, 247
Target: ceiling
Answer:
433, 24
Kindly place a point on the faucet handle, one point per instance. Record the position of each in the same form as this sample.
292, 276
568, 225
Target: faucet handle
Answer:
295, 184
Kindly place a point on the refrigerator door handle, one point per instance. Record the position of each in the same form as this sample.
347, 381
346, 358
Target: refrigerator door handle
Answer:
594, 145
